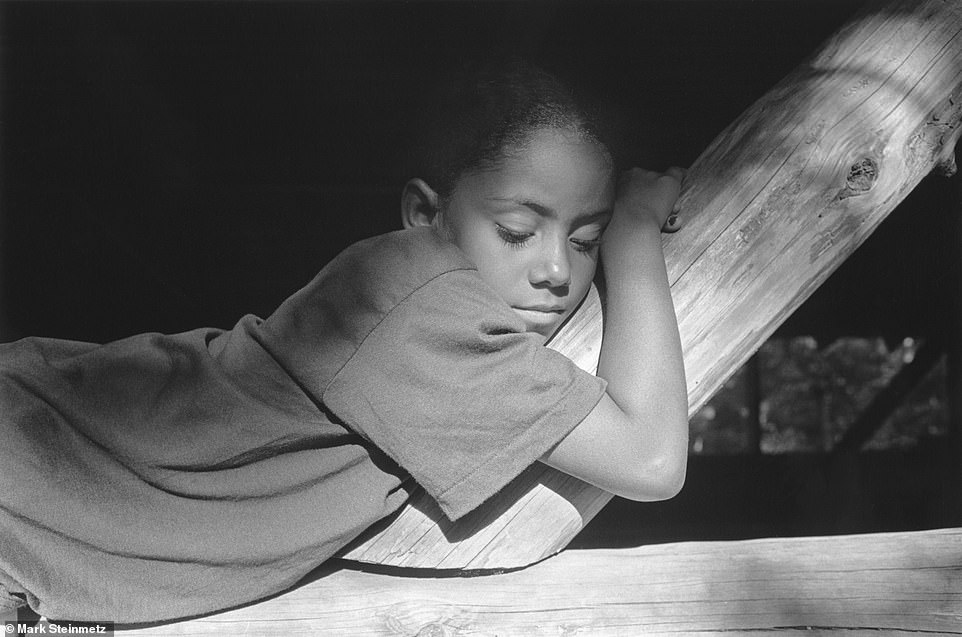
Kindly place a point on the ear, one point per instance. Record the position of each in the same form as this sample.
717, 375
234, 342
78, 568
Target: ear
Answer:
419, 204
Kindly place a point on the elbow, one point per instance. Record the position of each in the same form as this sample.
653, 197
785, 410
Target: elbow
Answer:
672, 482
663, 481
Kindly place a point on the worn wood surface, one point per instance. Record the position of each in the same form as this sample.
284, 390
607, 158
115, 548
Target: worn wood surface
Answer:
771, 208
868, 584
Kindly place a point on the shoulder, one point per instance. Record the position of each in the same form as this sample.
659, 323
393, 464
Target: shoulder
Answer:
320, 326
417, 252
389, 267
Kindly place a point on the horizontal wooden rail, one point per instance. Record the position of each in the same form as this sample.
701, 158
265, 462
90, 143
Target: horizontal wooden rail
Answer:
845, 585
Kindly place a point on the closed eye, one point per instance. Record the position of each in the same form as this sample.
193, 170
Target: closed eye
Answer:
586, 245
513, 238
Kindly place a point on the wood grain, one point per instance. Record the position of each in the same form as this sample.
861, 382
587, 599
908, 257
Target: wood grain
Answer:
845, 585
775, 204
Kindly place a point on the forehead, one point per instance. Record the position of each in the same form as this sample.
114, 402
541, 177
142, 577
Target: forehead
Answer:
560, 169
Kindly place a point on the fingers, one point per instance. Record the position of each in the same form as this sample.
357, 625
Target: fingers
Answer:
655, 193
673, 222
677, 172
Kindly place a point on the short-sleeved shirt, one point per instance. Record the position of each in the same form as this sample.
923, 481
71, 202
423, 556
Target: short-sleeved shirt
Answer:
162, 476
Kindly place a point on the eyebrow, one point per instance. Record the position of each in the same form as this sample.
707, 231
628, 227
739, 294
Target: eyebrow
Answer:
546, 211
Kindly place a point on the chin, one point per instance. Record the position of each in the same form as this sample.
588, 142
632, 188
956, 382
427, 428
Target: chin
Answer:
548, 333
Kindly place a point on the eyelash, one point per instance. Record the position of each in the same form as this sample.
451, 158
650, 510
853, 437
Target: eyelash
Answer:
520, 239
513, 239
586, 245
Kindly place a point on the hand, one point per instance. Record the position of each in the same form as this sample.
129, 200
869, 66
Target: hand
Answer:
649, 194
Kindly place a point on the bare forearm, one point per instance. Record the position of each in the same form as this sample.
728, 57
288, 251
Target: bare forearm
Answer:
641, 353
635, 441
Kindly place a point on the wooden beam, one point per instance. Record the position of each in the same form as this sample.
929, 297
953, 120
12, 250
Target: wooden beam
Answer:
876, 584
890, 397
772, 207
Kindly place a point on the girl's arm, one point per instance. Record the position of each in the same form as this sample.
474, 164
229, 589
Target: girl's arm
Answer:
634, 443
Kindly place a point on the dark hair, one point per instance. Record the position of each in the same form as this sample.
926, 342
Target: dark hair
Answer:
478, 115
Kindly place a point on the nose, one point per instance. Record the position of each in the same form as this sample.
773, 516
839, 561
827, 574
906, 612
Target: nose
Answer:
551, 268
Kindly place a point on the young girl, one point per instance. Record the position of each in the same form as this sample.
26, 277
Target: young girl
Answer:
163, 476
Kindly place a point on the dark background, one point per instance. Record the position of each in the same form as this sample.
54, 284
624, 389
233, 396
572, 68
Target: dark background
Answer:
171, 165
167, 166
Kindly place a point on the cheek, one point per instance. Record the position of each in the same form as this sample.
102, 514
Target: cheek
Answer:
583, 270
505, 271
501, 268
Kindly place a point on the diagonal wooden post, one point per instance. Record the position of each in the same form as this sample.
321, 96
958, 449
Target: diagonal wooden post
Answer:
772, 207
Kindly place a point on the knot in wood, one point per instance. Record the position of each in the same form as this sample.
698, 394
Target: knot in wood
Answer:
433, 630
860, 179
862, 175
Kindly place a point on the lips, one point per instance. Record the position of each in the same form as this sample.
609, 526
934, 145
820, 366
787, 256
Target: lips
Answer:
547, 309
543, 319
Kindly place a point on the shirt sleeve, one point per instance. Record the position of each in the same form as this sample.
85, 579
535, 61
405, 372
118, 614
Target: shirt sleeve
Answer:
453, 389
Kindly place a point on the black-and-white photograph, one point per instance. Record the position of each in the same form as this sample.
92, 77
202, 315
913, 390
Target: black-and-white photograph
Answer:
480, 317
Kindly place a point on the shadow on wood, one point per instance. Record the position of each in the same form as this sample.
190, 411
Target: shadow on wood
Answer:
423, 530
883, 582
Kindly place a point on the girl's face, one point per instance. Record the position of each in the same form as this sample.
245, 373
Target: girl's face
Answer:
533, 224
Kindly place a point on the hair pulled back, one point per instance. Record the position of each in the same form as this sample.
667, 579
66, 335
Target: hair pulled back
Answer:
480, 115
